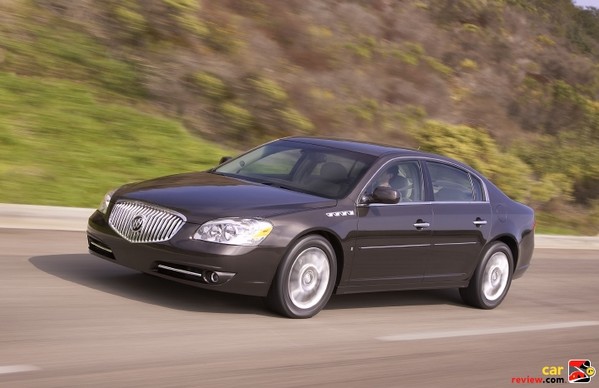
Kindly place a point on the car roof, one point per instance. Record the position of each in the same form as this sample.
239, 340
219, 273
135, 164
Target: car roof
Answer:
374, 149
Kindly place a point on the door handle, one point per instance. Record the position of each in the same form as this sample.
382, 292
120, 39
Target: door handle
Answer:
420, 224
479, 222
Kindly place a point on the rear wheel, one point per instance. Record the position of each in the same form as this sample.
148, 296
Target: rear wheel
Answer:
491, 279
305, 279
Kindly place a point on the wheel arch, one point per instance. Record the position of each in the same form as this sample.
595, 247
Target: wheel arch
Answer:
511, 242
335, 242
277, 299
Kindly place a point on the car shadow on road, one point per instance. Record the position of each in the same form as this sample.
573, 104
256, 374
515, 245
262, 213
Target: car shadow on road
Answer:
92, 272
396, 298
89, 271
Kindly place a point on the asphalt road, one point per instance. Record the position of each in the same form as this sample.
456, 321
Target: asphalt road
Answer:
69, 319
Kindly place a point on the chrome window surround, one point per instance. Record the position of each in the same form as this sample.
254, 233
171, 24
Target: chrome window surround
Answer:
471, 179
421, 160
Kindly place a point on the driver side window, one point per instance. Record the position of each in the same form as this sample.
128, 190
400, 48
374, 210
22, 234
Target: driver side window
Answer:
404, 177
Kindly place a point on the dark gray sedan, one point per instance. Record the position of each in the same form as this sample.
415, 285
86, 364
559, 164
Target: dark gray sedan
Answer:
298, 219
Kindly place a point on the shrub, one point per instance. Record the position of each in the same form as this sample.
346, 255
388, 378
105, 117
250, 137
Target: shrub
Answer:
366, 110
184, 12
223, 38
210, 85
545, 40
269, 89
438, 66
297, 121
236, 115
479, 150
133, 22
183, 5
364, 47
469, 64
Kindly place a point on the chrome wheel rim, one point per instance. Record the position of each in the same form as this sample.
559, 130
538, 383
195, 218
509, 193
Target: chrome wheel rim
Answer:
309, 278
496, 276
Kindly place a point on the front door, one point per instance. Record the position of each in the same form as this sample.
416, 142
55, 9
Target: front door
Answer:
394, 240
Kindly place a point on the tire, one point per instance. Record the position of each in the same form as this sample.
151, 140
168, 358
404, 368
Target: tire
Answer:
491, 279
305, 279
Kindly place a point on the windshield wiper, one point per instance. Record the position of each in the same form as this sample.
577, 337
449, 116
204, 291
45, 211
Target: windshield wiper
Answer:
256, 180
213, 171
271, 183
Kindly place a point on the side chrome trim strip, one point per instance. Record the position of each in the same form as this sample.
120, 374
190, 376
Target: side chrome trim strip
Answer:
456, 243
396, 246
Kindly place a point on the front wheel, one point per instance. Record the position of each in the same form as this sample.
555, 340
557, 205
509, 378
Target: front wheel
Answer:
491, 279
305, 279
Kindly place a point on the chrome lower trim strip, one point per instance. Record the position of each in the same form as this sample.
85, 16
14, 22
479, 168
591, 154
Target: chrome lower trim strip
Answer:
101, 247
162, 266
388, 278
456, 243
396, 246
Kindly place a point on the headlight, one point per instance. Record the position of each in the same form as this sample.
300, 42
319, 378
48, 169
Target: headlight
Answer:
234, 231
104, 204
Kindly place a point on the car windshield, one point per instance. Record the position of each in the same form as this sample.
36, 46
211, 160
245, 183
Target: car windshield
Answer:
323, 171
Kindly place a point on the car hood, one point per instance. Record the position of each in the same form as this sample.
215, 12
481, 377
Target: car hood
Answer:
202, 196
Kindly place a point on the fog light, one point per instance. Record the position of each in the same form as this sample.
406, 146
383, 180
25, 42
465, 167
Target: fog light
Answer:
211, 277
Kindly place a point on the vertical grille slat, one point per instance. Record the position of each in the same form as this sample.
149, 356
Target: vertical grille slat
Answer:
168, 226
157, 225
139, 222
163, 227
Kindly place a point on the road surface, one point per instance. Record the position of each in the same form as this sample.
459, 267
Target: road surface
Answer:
69, 319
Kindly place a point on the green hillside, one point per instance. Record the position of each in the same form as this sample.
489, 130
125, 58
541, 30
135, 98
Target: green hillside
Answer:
60, 146
94, 94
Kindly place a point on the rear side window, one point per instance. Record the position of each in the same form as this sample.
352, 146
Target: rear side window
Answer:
451, 184
478, 189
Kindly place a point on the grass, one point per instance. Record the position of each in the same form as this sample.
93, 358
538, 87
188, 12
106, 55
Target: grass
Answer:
69, 129
561, 224
51, 48
61, 146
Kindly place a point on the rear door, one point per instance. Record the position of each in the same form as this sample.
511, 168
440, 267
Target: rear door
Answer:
461, 223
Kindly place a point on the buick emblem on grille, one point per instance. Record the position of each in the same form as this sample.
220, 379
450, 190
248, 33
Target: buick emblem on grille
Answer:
136, 223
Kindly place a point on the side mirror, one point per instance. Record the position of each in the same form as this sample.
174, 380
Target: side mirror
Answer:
383, 194
224, 159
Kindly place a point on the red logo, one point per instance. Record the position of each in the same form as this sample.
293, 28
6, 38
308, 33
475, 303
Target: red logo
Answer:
580, 371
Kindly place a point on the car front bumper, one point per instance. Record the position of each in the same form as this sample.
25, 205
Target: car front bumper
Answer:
219, 267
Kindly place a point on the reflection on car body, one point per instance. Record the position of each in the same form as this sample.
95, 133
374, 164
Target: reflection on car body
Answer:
298, 219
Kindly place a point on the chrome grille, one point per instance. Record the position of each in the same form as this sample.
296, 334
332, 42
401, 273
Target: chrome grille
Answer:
139, 222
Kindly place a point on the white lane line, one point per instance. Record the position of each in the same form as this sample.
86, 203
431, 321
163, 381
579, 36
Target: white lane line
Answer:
6, 369
497, 330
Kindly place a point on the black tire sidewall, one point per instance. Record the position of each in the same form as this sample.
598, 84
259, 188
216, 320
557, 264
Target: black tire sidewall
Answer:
280, 292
